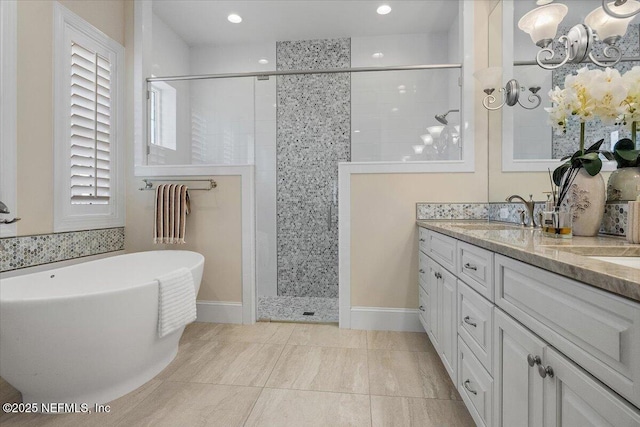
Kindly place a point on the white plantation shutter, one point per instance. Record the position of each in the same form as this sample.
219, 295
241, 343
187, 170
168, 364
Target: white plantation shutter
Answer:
89, 116
90, 127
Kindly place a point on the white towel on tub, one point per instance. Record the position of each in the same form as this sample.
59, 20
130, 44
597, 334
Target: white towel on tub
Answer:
177, 301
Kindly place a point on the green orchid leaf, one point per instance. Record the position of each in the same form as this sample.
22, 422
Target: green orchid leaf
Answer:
625, 154
559, 172
625, 144
631, 155
595, 147
593, 166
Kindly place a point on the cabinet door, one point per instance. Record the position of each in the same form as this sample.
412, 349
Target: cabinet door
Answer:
447, 288
432, 279
573, 398
517, 385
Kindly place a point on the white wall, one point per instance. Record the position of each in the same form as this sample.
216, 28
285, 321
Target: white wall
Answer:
390, 110
170, 57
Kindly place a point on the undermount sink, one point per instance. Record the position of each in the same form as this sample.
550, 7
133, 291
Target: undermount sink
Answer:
488, 226
627, 261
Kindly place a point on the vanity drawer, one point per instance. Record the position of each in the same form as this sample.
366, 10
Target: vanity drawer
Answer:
423, 308
475, 386
475, 324
475, 267
598, 330
422, 239
423, 269
442, 249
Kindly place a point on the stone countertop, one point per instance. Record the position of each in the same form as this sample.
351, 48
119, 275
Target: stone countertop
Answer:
567, 257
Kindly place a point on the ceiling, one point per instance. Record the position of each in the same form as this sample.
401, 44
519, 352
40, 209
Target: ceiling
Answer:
205, 22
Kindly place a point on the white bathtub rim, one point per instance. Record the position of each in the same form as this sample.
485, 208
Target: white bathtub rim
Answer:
95, 293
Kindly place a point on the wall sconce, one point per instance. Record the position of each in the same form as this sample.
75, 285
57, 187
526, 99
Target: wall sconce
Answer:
490, 79
627, 10
542, 25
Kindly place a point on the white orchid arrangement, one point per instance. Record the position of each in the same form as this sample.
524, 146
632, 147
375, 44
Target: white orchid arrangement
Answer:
591, 94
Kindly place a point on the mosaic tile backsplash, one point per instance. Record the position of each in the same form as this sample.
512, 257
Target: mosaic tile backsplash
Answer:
312, 136
614, 221
29, 251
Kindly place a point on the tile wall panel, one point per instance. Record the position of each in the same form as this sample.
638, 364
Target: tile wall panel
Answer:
313, 135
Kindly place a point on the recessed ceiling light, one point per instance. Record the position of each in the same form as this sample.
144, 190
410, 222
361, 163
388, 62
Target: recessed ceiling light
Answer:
356, 131
394, 109
263, 61
384, 9
402, 87
377, 55
236, 19
401, 91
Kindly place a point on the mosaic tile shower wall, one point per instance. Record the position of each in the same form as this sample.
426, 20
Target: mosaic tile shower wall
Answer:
313, 135
29, 251
568, 143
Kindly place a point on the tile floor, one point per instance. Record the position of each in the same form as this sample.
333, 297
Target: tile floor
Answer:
283, 374
291, 309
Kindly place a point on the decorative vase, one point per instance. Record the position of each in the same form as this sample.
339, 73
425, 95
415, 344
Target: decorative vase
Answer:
586, 198
624, 185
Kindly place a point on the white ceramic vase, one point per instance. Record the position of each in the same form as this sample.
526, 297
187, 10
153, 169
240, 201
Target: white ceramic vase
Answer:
624, 185
586, 198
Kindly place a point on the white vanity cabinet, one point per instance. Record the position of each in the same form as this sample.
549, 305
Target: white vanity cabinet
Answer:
530, 347
440, 319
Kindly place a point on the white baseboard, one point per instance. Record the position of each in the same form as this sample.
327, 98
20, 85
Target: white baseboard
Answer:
219, 312
385, 319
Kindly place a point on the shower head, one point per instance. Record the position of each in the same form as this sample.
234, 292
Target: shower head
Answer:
442, 118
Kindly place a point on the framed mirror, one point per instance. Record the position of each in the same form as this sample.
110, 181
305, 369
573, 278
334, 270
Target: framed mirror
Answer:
528, 141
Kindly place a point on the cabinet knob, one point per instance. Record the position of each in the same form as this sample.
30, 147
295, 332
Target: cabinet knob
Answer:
533, 360
421, 271
469, 389
438, 275
422, 240
468, 321
421, 308
470, 267
544, 371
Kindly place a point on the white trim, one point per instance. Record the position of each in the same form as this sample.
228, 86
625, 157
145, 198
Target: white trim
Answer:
386, 319
65, 216
345, 170
8, 115
219, 312
247, 174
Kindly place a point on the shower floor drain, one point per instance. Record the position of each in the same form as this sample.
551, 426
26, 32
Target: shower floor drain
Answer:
308, 313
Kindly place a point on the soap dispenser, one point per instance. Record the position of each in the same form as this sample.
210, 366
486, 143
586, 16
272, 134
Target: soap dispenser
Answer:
633, 222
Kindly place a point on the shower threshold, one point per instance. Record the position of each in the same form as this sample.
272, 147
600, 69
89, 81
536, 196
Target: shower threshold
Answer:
298, 309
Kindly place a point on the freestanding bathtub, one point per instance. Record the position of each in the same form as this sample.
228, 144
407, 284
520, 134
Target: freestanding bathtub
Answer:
88, 333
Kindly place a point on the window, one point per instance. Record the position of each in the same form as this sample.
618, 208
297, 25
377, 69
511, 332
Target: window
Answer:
162, 115
88, 126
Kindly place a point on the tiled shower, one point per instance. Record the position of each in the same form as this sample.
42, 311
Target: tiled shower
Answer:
296, 129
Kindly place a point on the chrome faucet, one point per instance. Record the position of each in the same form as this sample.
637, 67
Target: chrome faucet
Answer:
4, 209
530, 205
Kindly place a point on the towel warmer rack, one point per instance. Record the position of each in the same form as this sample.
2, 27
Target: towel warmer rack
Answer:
148, 183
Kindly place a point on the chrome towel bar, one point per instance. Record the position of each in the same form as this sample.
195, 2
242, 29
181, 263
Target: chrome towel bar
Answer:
148, 183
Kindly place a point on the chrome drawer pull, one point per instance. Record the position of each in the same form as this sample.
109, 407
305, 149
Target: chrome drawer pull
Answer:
422, 240
468, 321
466, 385
533, 360
470, 267
421, 271
438, 275
421, 308
545, 371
